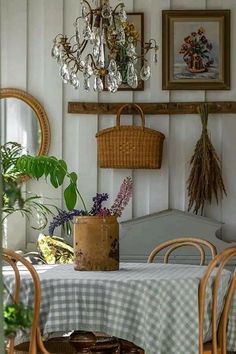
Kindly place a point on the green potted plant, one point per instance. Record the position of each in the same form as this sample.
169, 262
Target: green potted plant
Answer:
13, 199
55, 170
15, 167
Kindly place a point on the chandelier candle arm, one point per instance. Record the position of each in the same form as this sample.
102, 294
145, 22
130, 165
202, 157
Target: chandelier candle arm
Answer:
111, 55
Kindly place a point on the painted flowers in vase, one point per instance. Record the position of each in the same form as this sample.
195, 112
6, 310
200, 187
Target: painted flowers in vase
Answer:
196, 50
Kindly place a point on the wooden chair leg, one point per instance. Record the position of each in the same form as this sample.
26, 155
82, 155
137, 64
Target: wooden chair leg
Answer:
39, 341
10, 346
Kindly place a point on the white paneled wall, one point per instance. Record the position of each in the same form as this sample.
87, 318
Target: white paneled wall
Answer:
27, 31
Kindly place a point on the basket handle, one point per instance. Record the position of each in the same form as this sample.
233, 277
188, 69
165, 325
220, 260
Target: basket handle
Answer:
134, 105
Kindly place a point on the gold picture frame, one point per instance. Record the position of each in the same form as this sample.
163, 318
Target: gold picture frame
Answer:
196, 49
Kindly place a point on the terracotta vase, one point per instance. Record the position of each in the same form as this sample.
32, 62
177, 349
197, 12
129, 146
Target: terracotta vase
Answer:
196, 64
96, 243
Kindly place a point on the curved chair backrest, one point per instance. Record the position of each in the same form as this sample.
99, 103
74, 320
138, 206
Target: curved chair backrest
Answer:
219, 334
13, 258
171, 245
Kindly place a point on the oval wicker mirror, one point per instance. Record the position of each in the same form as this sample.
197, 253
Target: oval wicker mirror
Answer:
24, 120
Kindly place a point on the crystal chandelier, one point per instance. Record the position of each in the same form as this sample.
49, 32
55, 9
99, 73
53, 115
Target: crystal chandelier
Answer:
112, 58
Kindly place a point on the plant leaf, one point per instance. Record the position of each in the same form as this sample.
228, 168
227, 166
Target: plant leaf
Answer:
70, 196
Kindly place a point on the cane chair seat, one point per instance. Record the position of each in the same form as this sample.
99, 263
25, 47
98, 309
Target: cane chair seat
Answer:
171, 245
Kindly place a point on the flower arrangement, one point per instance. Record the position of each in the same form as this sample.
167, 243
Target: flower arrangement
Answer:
124, 45
65, 217
196, 50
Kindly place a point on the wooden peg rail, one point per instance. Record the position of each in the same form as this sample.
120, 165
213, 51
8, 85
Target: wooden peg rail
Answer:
151, 108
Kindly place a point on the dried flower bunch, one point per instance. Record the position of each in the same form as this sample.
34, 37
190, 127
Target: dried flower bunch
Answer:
65, 217
205, 180
126, 48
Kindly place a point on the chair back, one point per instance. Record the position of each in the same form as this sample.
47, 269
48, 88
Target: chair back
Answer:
219, 332
13, 259
171, 245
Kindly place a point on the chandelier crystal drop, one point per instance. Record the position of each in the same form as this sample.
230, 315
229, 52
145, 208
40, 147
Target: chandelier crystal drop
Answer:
103, 49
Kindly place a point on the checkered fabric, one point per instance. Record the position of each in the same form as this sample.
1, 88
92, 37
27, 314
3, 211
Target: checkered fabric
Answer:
153, 305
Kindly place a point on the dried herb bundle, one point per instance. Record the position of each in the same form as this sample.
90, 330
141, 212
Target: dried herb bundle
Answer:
205, 180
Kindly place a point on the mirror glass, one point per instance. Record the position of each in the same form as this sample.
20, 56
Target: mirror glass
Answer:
24, 121
19, 123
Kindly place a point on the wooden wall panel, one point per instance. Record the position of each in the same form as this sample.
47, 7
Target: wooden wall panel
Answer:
14, 44
151, 191
180, 154
228, 140
215, 125
27, 32
79, 134
214, 4
229, 168
13, 73
176, 162
45, 20
109, 180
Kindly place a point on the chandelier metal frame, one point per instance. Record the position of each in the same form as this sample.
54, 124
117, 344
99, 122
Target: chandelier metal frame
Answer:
103, 27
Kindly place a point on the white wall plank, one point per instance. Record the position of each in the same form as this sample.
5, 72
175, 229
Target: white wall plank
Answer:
14, 43
45, 21
109, 180
79, 131
148, 181
27, 31
213, 4
14, 74
229, 168
228, 144
182, 145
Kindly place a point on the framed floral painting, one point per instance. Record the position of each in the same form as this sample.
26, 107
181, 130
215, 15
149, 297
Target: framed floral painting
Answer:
196, 49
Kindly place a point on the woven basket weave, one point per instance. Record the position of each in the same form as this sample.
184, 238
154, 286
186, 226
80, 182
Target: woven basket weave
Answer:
128, 146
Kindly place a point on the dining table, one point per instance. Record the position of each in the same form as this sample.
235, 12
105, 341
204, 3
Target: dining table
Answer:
153, 305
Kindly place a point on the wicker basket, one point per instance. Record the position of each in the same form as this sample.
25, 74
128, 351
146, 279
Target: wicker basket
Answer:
128, 146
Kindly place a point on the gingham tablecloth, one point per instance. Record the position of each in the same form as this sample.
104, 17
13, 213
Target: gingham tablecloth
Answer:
153, 305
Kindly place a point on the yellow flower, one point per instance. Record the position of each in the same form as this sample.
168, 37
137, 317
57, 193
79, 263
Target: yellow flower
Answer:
201, 30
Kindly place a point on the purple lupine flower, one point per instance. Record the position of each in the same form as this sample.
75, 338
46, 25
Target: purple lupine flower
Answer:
120, 202
62, 218
97, 203
104, 212
123, 197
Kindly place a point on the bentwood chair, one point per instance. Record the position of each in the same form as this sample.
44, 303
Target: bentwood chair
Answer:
171, 245
14, 259
219, 333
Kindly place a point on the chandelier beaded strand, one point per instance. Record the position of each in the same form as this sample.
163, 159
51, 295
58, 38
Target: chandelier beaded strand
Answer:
113, 55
